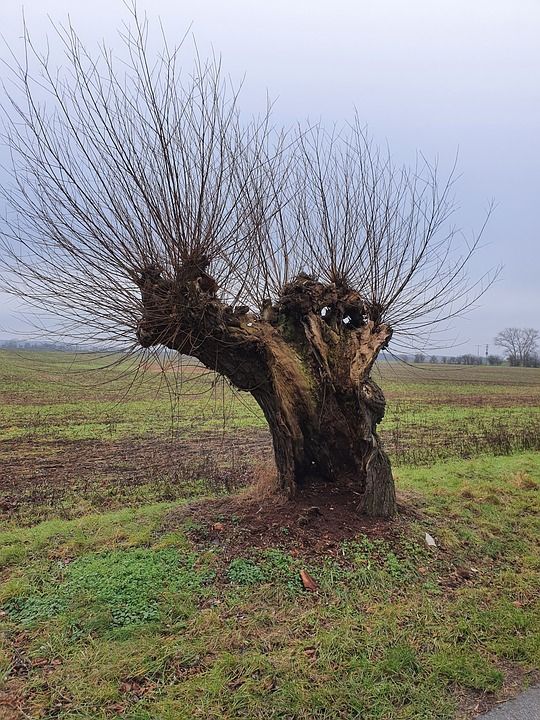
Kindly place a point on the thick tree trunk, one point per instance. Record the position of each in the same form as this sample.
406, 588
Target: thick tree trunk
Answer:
308, 366
322, 438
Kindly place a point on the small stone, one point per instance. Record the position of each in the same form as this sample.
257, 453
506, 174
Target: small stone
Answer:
430, 541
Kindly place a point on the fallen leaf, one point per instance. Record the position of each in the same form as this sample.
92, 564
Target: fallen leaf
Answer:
307, 581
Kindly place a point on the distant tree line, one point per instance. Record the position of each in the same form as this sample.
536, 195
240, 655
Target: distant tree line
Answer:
51, 346
466, 359
520, 346
35, 345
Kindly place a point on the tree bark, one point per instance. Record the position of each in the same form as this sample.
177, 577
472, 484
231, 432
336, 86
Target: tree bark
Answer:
307, 363
337, 443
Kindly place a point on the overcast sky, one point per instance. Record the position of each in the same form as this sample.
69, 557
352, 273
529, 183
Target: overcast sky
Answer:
430, 75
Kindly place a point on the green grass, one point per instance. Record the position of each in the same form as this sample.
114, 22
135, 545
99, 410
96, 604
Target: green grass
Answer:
85, 397
109, 611
64, 396
121, 615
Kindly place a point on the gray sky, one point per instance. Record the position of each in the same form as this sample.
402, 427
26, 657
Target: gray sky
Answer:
439, 76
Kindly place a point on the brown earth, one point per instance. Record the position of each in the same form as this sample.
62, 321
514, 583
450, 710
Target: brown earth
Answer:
490, 400
30, 461
44, 472
314, 524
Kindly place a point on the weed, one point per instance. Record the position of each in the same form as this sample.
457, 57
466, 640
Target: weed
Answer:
245, 572
112, 589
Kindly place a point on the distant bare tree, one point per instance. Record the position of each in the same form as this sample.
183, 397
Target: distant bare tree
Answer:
520, 345
144, 208
469, 359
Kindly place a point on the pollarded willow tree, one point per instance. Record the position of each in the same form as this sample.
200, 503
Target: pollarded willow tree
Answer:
142, 206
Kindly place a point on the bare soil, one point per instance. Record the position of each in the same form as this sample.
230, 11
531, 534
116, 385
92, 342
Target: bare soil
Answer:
311, 525
470, 400
46, 472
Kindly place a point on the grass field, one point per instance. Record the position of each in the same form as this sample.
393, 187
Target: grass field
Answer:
120, 600
77, 434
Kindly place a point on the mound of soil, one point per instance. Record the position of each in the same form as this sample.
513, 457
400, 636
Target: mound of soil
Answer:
312, 524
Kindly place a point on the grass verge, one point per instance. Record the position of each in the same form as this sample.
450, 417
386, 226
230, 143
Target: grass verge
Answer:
123, 615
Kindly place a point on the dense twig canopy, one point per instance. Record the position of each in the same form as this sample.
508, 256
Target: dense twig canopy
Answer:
126, 166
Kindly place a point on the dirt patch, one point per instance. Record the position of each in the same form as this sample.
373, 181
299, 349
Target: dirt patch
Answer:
12, 700
469, 400
32, 460
313, 524
472, 703
47, 474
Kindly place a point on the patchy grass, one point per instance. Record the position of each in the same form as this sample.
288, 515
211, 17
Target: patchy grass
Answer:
91, 397
87, 397
125, 615
84, 433
115, 603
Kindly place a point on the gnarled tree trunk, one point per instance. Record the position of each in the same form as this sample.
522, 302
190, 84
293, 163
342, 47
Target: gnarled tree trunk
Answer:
306, 360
